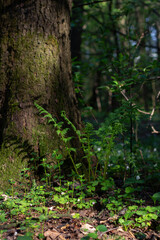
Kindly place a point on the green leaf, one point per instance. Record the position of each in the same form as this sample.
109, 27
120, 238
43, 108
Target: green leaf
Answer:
152, 216
133, 207
151, 209
93, 235
121, 221
72, 149
42, 218
59, 157
78, 165
101, 228
95, 183
27, 236
128, 214
156, 196
85, 238
129, 190
76, 215
141, 213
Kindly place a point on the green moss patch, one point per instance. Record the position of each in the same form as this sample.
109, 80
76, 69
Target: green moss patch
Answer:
11, 164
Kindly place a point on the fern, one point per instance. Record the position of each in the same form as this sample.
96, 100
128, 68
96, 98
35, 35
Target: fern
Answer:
46, 114
60, 132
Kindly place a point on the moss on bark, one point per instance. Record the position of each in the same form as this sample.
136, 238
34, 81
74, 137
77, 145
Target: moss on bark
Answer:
11, 164
35, 65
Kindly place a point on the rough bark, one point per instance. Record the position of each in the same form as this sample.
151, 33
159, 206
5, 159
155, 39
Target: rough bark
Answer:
35, 65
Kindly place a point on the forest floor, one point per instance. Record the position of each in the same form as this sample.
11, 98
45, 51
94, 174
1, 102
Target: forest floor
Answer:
72, 224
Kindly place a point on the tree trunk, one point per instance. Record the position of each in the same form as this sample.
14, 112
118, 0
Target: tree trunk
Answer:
76, 30
35, 65
114, 27
123, 27
142, 51
158, 39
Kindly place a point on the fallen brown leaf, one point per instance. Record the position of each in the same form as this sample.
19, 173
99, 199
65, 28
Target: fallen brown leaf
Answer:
61, 237
51, 234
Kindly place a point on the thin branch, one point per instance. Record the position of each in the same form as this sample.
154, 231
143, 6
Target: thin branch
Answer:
140, 40
127, 99
124, 95
158, 95
154, 130
152, 113
91, 3
146, 113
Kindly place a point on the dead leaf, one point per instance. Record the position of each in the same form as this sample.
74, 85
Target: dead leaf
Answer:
83, 213
51, 234
104, 221
120, 229
131, 234
61, 237
64, 227
87, 228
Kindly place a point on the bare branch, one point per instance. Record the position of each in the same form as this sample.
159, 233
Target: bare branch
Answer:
124, 95
147, 113
152, 113
158, 95
154, 130
127, 99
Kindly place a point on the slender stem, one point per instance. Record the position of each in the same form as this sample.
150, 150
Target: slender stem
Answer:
73, 162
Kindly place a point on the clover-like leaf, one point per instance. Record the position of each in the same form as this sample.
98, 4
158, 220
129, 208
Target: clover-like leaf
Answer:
101, 228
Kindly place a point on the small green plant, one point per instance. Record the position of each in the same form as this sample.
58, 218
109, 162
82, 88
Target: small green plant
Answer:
139, 217
156, 197
59, 163
146, 215
94, 235
47, 171
12, 182
27, 236
68, 196
85, 140
62, 132
3, 216
106, 134
106, 184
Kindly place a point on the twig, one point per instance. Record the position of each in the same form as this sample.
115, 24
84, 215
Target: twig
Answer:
110, 230
140, 40
147, 113
127, 99
152, 113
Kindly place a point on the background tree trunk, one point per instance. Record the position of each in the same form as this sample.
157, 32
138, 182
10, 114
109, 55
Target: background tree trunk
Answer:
76, 30
35, 65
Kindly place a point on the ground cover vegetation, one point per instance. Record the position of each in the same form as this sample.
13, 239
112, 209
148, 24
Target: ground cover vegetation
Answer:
113, 192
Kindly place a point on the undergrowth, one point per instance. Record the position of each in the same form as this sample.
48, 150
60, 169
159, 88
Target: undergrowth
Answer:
115, 182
